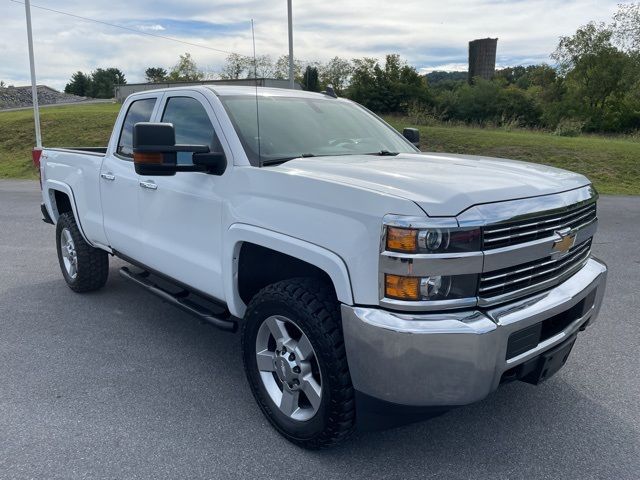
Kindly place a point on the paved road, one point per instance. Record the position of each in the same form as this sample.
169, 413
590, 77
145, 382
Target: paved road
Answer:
117, 385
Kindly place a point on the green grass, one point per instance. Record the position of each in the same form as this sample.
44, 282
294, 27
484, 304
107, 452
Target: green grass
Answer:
613, 164
69, 125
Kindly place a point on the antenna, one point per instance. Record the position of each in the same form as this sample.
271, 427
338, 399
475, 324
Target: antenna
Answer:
255, 75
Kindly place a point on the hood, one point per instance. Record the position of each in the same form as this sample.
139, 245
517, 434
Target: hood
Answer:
441, 184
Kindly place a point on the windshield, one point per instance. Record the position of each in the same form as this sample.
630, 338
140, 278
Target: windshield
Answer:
292, 127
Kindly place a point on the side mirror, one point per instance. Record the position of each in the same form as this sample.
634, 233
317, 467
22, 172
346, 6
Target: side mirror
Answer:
413, 135
155, 150
214, 163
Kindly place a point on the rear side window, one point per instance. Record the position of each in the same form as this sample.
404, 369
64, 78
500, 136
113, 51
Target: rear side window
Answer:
192, 126
139, 111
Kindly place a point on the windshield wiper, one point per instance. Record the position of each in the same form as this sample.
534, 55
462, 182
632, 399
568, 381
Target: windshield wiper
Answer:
384, 153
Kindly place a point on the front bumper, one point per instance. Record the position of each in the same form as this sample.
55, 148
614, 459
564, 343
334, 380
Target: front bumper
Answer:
457, 358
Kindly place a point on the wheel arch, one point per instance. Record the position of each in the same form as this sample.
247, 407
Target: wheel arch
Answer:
60, 199
293, 256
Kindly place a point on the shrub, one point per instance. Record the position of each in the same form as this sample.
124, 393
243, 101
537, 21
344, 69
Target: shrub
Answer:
569, 127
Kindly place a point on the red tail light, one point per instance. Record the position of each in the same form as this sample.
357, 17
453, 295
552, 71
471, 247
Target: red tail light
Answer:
36, 153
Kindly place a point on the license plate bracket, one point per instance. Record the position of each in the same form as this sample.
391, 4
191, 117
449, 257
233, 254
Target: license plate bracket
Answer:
550, 362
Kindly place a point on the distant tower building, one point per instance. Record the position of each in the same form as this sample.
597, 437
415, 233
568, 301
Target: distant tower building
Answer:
482, 58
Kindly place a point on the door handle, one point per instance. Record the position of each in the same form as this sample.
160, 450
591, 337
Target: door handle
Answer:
108, 176
149, 184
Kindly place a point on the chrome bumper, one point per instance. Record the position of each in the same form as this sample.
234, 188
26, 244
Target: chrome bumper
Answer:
456, 358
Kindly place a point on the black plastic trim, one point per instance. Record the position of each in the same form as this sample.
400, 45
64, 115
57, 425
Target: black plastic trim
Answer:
46, 218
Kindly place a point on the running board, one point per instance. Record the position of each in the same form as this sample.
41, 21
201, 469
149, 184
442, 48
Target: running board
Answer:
222, 319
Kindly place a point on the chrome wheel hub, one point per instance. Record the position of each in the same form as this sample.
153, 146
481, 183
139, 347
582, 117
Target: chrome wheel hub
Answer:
69, 254
289, 368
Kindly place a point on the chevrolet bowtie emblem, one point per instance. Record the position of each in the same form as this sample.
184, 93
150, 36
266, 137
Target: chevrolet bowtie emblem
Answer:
566, 242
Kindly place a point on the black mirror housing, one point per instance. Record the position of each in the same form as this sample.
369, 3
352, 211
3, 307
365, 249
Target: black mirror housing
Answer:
155, 150
214, 163
413, 135
149, 137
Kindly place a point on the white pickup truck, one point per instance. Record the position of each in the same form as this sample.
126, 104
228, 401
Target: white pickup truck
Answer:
371, 282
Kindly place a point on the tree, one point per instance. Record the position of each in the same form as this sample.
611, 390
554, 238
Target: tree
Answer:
236, 66
103, 82
155, 74
310, 80
336, 72
185, 70
589, 41
281, 68
597, 76
261, 67
79, 84
626, 26
389, 87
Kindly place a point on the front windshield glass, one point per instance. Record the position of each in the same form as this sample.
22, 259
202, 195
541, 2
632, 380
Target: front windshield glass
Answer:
292, 127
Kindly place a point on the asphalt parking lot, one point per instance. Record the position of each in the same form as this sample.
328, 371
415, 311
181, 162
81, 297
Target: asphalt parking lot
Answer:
116, 384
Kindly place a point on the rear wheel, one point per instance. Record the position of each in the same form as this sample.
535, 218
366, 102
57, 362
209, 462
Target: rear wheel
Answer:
84, 268
296, 364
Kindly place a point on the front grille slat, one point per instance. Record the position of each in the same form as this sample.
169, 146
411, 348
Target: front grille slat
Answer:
512, 279
542, 226
558, 270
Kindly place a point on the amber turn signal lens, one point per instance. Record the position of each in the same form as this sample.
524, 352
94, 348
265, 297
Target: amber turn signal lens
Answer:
402, 288
147, 158
402, 239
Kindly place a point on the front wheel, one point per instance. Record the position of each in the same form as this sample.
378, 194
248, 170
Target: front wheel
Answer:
296, 364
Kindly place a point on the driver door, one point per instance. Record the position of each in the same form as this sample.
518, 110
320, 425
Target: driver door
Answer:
181, 215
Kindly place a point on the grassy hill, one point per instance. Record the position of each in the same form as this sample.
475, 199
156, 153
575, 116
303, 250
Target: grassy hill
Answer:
612, 164
63, 126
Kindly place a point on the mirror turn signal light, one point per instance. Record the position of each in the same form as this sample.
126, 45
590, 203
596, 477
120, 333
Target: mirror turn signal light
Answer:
402, 288
148, 158
402, 239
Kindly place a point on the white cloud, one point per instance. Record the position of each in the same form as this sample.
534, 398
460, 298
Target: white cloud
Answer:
151, 28
430, 34
447, 67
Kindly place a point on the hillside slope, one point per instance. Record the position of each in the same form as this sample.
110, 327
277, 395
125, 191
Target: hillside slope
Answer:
20, 97
72, 125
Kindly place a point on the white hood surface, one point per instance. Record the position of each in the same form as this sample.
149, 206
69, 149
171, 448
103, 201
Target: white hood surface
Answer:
441, 184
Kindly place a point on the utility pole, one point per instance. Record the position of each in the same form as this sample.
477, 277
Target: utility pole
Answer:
34, 88
291, 69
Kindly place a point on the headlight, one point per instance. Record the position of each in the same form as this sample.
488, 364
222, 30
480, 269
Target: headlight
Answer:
433, 287
432, 240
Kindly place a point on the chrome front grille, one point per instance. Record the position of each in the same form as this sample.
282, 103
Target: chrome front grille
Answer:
537, 227
546, 271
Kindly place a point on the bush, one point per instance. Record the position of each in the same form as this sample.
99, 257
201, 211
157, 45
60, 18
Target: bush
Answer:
569, 127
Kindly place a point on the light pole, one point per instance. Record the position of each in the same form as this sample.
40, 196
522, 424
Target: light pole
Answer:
291, 69
34, 88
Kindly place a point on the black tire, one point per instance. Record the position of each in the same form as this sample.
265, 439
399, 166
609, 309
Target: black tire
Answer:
313, 306
92, 263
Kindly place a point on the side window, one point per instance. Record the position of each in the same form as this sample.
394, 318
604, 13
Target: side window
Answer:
139, 111
192, 125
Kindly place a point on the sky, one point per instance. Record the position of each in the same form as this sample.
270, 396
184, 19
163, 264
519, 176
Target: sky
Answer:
429, 34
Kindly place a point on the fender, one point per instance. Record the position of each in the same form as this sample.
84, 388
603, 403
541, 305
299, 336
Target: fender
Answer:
49, 200
320, 257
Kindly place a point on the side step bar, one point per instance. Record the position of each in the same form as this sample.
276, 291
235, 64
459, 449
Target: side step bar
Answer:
222, 319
